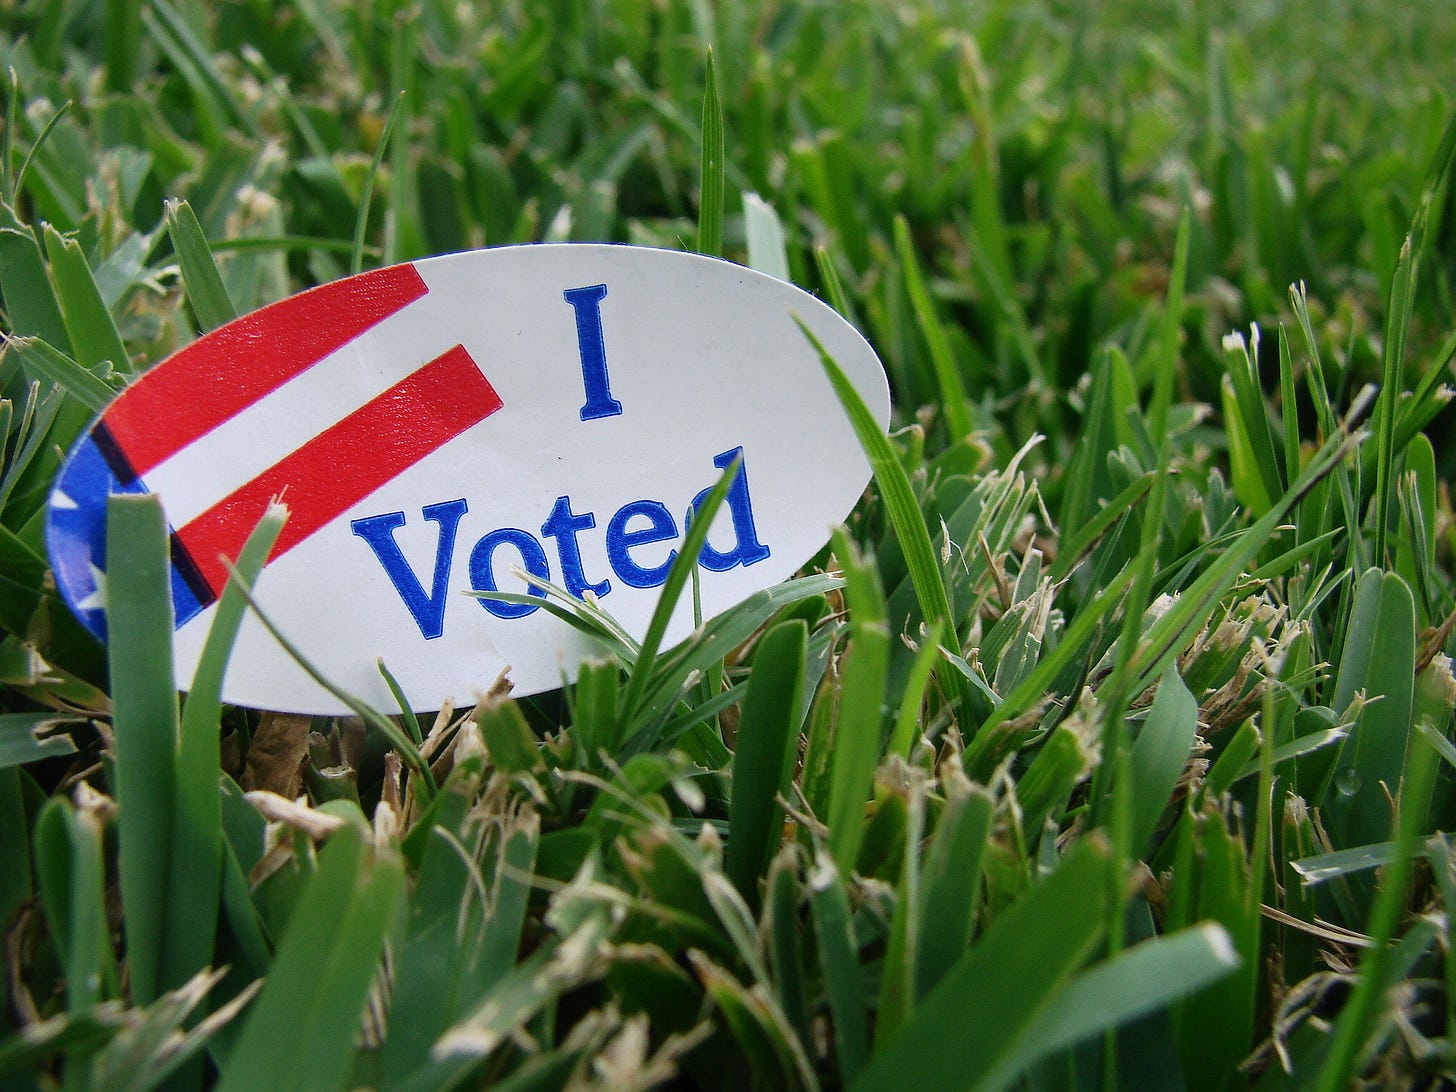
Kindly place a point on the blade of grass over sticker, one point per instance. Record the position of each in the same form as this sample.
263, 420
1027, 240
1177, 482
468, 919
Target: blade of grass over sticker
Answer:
195, 856
900, 501
672, 588
371, 716
144, 693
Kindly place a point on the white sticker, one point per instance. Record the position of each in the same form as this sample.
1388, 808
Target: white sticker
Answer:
437, 427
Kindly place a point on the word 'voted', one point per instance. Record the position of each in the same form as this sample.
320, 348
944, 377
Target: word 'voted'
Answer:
447, 426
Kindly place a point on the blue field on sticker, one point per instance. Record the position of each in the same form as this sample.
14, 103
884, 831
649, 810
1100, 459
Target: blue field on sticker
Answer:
76, 538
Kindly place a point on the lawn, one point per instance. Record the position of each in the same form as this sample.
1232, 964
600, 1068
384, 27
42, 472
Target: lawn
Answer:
1107, 744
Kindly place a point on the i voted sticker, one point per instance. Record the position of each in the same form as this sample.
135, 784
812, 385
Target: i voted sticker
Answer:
446, 425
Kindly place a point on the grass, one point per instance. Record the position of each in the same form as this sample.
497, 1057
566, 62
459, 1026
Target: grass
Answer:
1109, 742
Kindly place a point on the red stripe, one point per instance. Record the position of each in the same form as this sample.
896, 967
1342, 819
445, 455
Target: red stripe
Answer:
345, 463
193, 391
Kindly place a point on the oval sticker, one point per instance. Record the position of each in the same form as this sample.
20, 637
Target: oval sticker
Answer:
440, 426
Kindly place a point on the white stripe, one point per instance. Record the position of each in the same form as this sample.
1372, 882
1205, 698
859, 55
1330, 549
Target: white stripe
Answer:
240, 449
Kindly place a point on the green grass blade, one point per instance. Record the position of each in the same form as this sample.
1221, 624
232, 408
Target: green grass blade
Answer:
1159, 755
512, 745
833, 284
457, 942
501, 943
38, 418
1104, 429
767, 734
206, 293
672, 589
1429, 390
122, 40
1252, 460
947, 373
1355, 1020
31, 308
764, 230
857, 734
1018, 967
195, 856
951, 881
904, 511
1131, 984
7, 137
301, 1031
785, 951
402, 231
406, 711
1013, 316
217, 108
1172, 322
77, 1033
1200, 598
509, 1007
992, 742
762, 1041
711, 195
1415, 556
908, 718
362, 709
1379, 659
45, 361
29, 737
1082, 535
144, 697
719, 636
1397, 327
93, 334
839, 962
361, 220
1043, 791
72, 873
40, 142
1288, 406
237, 909
737, 921
594, 709
156, 1044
